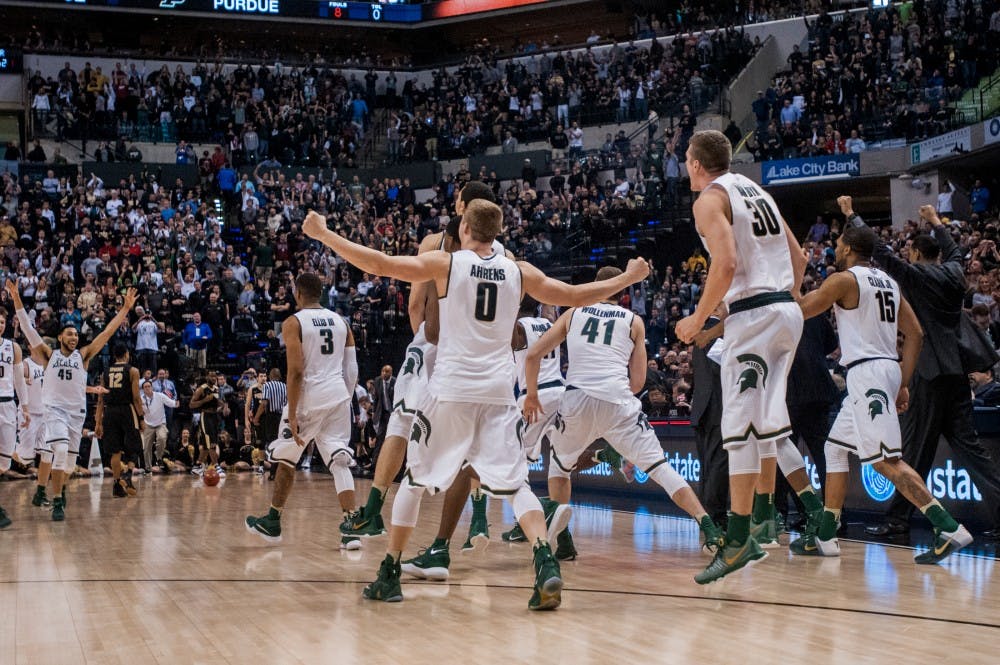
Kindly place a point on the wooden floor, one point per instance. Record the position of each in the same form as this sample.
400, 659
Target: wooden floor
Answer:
172, 577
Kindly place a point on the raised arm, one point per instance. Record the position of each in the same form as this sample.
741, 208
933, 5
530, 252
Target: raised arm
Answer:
420, 268
39, 349
92, 349
714, 226
548, 343
553, 292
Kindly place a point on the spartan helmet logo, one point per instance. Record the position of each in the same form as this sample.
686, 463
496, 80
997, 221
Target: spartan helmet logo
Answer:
878, 402
414, 361
421, 430
756, 369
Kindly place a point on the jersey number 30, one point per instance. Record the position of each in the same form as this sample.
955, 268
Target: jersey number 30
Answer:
765, 222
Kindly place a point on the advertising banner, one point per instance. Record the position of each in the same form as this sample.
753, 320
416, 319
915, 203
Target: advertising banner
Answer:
810, 169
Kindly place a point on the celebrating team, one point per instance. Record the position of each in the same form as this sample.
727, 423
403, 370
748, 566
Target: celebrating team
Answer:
480, 386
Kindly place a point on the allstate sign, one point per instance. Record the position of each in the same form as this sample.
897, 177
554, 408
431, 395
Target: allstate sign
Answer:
876, 485
809, 169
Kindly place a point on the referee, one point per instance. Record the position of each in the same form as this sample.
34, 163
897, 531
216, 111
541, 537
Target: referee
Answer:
274, 397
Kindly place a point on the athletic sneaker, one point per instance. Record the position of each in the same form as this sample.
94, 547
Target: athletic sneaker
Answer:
809, 543
479, 528
515, 535
350, 543
615, 460
129, 487
386, 586
39, 500
59, 509
557, 518
267, 526
4, 520
357, 524
565, 549
765, 533
197, 470
219, 470
431, 563
547, 593
729, 559
945, 543
118, 489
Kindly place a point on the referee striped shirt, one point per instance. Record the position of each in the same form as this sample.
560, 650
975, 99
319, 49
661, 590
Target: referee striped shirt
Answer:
276, 395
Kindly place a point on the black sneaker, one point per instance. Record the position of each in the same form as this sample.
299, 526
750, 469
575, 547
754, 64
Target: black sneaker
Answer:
118, 489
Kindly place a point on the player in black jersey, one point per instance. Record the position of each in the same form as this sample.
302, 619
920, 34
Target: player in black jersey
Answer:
119, 421
206, 401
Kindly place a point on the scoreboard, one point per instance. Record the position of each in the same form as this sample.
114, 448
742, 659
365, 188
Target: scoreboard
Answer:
333, 10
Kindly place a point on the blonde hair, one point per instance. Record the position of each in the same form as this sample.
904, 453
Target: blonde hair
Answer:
485, 220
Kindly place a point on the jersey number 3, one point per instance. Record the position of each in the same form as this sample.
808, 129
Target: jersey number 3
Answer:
765, 222
326, 348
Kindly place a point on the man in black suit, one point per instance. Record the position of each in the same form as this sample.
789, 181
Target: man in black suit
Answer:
940, 400
382, 402
985, 389
706, 418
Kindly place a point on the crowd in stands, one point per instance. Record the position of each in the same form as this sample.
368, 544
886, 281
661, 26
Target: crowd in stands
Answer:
884, 74
317, 116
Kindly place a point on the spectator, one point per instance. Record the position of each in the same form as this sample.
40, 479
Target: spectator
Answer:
197, 335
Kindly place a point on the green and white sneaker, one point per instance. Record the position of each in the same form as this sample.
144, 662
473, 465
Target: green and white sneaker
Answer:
431, 563
515, 535
945, 543
39, 500
547, 593
729, 559
267, 526
557, 516
615, 460
4, 520
810, 544
362, 526
350, 543
765, 533
479, 530
386, 586
565, 549
59, 509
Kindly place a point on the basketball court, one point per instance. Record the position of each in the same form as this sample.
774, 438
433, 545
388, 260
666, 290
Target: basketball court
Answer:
173, 577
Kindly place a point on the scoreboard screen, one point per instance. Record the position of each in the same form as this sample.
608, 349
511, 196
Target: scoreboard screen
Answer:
334, 10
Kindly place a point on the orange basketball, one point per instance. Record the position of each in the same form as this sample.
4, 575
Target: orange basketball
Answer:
211, 477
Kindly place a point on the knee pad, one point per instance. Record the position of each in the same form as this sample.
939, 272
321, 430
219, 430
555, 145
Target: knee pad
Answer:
406, 505
744, 459
524, 501
837, 458
60, 452
45, 456
343, 481
667, 477
789, 458
556, 469
767, 449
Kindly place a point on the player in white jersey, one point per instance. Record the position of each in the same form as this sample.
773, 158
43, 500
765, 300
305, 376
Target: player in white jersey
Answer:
870, 310
11, 382
413, 376
756, 269
468, 416
64, 390
606, 345
322, 373
31, 438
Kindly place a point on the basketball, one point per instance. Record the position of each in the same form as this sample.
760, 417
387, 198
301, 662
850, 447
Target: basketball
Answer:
211, 477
